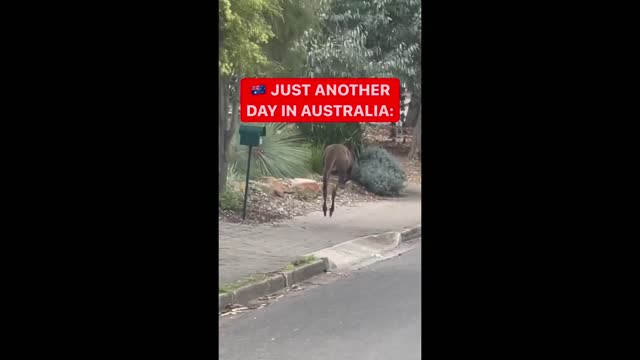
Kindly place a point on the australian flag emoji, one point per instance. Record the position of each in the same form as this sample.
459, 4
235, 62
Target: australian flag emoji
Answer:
258, 90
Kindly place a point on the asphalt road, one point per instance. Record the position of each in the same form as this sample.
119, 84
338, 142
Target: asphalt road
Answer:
374, 313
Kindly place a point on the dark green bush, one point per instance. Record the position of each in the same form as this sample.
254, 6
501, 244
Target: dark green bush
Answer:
320, 134
379, 172
316, 158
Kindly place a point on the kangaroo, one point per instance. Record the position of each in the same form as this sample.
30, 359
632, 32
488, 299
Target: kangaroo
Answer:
338, 159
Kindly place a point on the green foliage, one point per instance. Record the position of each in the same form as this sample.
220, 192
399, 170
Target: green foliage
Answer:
285, 50
315, 38
368, 38
231, 199
316, 158
233, 174
320, 134
262, 37
246, 29
282, 153
379, 172
304, 260
247, 280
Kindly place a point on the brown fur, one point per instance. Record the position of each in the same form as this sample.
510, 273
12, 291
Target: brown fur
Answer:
337, 159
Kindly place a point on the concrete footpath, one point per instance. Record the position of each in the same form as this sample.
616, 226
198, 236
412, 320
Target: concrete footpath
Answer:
250, 249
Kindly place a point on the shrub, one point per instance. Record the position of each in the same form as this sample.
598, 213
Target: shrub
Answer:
316, 158
231, 199
379, 172
233, 175
320, 134
282, 154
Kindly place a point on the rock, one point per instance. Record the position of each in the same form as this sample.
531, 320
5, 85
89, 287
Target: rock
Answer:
288, 187
271, 187
278, 189
267, 179
306, 185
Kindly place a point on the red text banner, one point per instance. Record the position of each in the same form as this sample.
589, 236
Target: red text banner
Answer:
319, 100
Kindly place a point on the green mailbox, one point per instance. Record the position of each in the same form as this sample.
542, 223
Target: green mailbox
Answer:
252, 135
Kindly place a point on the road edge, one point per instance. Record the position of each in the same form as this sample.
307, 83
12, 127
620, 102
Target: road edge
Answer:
280, 280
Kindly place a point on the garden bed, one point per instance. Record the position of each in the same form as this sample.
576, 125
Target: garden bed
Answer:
276, 205
264, 208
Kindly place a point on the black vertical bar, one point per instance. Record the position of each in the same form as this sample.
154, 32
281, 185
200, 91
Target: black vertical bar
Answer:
246, 186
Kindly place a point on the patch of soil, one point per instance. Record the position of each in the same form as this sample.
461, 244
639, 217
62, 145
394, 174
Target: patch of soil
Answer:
413, 168
264, 208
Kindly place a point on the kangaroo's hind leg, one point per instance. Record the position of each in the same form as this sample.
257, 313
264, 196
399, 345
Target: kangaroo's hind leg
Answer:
333, 198
324, 196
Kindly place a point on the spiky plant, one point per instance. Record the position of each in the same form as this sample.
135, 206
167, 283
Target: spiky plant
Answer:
282, 154
233, 175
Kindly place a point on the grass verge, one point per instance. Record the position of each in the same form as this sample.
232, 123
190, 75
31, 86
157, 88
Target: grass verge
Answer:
299, 262
230, 287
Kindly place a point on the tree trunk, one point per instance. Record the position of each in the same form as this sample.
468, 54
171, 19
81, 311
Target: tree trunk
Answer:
228, 128
416, 147
412, 114
234, 122
222, 127
221, 114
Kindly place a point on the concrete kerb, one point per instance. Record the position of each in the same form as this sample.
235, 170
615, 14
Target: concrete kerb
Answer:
365, 250
305, 272
411, 233
224, 300
253, 291
276, 282
336, 257
345, 255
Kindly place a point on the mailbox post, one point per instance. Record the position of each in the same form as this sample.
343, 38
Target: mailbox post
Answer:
250, 136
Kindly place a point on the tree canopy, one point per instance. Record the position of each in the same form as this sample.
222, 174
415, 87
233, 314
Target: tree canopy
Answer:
246, 29
313, 38
367, 38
